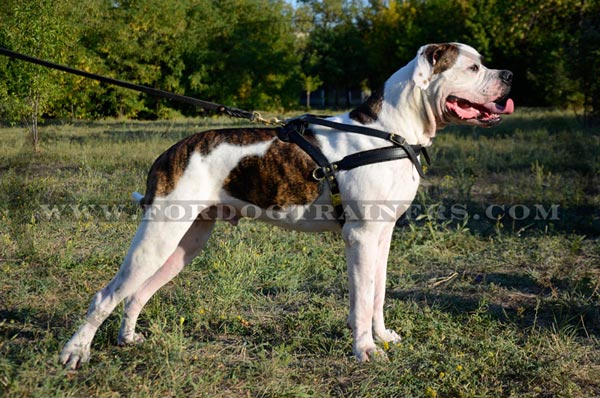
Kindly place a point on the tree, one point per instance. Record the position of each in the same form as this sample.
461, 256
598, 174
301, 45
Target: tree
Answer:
539, 47
587, 65
334, 49
37, 28
263, 54
142, 44
310, 84
239, 54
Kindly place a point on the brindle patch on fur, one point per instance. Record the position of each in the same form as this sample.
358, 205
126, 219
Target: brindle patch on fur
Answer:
442, 56
170, 165
368, 111
280, 178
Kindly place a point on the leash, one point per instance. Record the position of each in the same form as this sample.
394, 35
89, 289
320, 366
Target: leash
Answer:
222, 109
291, 130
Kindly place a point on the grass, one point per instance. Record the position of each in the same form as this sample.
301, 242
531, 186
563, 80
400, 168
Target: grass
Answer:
488, 305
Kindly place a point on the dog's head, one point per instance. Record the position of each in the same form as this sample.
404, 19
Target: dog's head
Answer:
460, 88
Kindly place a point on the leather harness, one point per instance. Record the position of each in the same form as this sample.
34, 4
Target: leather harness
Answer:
294, 129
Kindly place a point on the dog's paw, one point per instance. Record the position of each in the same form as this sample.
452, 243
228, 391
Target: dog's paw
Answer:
371, 354
74, 354
130, 339
388, 336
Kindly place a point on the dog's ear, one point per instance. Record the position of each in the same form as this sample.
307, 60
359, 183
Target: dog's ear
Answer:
432, 59
423, 68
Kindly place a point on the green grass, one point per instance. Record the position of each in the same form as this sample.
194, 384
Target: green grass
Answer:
493, 307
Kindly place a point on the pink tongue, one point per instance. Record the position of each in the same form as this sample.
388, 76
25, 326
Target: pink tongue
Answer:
493, 107
463, 113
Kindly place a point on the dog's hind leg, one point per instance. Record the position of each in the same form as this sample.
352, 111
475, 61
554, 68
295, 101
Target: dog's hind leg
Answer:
154, 242
189, 247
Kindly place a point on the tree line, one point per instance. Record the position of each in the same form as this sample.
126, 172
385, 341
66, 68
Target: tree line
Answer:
268, 54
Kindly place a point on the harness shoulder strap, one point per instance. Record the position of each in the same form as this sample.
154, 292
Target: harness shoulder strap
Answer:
294, 132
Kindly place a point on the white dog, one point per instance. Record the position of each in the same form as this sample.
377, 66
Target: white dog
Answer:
217, 173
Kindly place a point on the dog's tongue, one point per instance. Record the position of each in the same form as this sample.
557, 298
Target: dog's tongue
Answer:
493, 107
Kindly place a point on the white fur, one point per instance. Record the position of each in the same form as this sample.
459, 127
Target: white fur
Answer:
412, 107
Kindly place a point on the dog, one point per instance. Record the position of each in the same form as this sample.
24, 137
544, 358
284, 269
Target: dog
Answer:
224, 171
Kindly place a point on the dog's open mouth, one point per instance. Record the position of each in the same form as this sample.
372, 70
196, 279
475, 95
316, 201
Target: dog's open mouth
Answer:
488, 113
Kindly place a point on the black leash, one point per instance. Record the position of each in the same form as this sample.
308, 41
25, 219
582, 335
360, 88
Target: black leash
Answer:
239, 113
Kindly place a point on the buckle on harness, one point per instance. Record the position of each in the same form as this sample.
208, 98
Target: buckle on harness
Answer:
318, 176
397, 139
336, 199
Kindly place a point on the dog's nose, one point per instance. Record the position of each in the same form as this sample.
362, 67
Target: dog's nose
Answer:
506, 76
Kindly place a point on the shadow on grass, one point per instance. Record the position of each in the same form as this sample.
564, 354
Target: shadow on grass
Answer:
579, 220
563, 305
491, 218
23, 324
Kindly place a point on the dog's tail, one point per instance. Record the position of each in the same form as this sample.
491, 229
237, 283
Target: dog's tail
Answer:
137, 197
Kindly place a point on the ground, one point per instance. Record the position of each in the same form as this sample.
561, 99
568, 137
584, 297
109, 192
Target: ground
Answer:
494, 278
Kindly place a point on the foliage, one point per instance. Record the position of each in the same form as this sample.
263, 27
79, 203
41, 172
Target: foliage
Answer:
141, 44
38, 28
262, 54
241, 53
588, 62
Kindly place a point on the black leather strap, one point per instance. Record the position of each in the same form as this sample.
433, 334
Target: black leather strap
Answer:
293, 131
365, 158
312, 119
228, 110
410, 150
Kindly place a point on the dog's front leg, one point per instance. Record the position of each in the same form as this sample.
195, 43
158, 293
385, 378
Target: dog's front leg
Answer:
362, 242
379, 329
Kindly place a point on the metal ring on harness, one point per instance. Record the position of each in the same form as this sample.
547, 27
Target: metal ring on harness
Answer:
315, 176
320, 173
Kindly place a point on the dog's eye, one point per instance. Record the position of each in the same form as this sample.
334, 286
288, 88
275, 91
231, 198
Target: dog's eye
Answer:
474, 68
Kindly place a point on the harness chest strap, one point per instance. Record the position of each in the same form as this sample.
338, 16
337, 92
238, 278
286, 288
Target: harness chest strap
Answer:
372, 156
294, 131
